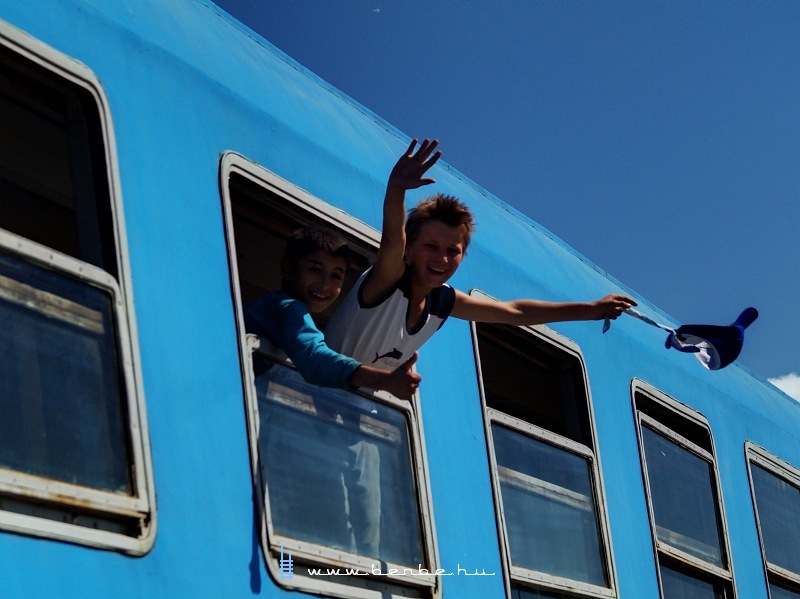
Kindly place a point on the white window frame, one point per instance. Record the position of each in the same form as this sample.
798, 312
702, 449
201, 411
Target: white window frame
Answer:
780, 469
368, 587
25, 488
693, 418
526, 576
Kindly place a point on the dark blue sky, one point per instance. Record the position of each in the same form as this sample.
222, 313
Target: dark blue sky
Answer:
660, 139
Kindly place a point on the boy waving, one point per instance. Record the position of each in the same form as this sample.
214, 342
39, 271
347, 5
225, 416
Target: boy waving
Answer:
401, 301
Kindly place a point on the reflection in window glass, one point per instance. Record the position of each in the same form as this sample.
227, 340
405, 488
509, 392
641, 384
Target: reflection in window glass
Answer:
549, 508
338, 469
61, 398
778, 504
680, 586
521, 592
683, 498
776, 592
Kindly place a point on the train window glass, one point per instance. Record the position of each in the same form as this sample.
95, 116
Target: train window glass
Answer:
778, 592
679, 585
61, 398
685, 505
74, 455
53, 174
342, 473
549, 507
544, 467
779, 517
523, 592
683, 498
775, 486
335, 487
557, 378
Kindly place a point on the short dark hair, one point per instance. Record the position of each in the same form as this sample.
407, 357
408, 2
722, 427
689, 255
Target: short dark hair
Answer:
443, 208
304, 242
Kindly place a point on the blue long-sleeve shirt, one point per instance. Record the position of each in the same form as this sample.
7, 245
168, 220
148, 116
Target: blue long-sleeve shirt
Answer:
287, 323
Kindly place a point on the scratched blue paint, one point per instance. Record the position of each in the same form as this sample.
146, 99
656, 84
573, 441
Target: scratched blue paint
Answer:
186, 83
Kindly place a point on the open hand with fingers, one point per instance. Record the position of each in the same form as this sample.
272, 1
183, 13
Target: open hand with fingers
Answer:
410, 169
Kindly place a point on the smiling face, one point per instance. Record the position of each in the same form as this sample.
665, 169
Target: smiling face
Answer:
435, 253
316, 279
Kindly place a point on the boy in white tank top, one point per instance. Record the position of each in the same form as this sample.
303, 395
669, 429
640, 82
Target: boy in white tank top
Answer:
403, 299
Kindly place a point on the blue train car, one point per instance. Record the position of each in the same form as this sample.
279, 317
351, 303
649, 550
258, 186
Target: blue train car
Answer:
154, 158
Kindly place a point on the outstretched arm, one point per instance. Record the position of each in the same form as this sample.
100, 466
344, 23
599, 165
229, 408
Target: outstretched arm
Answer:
290, 326
529, 312
408, 173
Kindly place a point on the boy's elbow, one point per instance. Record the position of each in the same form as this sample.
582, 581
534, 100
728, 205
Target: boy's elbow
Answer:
322, 372
313, 377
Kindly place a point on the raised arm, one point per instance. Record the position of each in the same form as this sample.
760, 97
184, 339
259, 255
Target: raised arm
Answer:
408, 173
528, 312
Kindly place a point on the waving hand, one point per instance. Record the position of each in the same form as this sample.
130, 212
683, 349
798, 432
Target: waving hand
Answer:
410, 169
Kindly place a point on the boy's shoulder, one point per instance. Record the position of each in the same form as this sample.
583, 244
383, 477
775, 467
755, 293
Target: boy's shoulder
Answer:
266, 308
442, 300
274, 298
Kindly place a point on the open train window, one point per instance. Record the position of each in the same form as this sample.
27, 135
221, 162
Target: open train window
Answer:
775, 486
342, 474
74, 454
545, 473
687, 515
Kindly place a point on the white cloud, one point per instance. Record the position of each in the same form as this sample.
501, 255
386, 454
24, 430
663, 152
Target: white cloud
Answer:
789, 384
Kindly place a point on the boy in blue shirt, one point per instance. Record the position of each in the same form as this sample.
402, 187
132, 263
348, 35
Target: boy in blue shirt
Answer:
313, 268
346, 468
